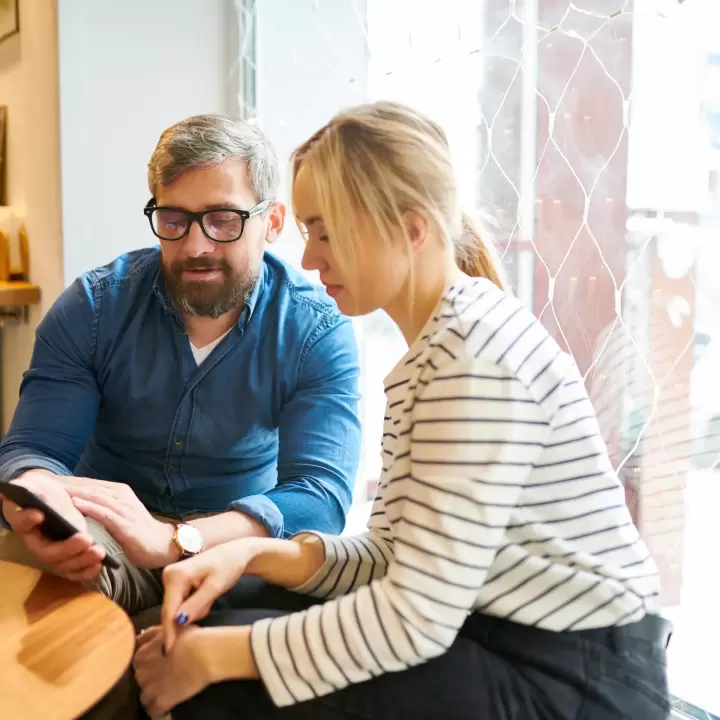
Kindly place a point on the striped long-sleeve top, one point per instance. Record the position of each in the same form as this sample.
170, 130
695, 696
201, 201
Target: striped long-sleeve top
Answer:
497, 496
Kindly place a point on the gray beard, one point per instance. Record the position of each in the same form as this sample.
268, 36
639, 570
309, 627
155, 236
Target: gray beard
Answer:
198, 299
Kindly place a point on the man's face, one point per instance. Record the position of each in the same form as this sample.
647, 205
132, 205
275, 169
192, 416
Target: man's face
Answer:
207, 278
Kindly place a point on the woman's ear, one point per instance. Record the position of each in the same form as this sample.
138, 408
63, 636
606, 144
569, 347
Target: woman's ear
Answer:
417, 228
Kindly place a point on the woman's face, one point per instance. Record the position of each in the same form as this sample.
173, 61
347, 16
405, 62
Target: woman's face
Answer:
378, 273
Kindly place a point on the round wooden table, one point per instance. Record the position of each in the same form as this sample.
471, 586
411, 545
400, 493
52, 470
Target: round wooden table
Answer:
62, 647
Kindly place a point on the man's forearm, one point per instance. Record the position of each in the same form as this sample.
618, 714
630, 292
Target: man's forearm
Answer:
18, 461
228, 526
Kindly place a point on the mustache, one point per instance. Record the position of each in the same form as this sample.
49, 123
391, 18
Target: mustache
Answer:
200, 264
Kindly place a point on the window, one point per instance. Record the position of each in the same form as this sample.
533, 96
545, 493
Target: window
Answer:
589, 131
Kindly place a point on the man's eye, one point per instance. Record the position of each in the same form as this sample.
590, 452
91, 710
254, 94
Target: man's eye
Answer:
324, 238
223, 217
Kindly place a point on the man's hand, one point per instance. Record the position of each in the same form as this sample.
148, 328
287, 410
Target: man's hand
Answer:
147, 542
76, 558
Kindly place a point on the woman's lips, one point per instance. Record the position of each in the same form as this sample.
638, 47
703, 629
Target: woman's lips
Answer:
333, 290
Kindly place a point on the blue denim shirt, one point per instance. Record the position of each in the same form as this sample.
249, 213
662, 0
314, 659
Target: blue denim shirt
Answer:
267, 424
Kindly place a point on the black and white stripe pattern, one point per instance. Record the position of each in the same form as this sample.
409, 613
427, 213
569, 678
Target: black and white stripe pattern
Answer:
497, 495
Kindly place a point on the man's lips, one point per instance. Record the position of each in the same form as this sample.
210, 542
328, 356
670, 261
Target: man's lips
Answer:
201, 273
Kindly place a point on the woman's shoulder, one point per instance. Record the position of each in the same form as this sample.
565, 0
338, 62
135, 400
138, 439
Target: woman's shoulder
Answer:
479, 319
480, 324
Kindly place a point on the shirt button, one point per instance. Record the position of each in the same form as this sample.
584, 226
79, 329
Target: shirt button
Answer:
178, 442
171, 469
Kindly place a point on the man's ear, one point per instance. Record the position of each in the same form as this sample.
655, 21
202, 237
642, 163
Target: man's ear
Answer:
417, 228
276, 221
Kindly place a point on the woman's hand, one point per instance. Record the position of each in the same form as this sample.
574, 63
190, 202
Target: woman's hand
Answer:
200, 657
166, 680
193, 585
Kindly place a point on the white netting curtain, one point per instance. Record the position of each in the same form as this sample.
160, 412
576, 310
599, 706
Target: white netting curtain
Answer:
590, 132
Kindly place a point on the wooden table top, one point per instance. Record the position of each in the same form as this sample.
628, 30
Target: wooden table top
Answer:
19, 294
62, 647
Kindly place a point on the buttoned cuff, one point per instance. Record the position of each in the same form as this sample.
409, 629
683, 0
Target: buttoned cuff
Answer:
264, 510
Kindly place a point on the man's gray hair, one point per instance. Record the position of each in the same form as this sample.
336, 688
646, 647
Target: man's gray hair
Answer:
207, 140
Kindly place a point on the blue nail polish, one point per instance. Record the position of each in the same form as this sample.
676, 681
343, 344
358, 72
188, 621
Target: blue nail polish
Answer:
182, 618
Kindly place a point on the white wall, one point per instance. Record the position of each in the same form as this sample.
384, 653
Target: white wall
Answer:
127, 71
311, 62
91, 84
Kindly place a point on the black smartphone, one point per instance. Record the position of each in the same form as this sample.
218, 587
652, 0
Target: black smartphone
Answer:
54, 526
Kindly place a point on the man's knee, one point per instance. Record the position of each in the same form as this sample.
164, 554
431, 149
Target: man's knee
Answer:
13, 549
134, 589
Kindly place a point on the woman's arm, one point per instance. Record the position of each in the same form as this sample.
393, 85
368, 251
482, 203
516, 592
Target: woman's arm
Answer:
449, 503
320, 565
192, 586
287, 563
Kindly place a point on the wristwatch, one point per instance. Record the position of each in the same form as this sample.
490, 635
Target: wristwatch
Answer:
188, 539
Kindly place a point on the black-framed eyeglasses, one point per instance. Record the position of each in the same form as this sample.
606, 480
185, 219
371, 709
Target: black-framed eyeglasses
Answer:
222, 225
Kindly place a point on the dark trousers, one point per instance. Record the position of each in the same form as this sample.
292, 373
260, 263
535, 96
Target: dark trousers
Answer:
495, 670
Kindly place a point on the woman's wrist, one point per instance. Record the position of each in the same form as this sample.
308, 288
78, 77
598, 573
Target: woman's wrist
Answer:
288, 563
226, 653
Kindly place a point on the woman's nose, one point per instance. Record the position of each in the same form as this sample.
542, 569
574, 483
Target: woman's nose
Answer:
312, 259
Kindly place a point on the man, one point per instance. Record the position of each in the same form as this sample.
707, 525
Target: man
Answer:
183, 396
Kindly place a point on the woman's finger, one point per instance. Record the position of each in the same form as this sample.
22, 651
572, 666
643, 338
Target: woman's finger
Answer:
145, 638
198, 604
148, 699
178, 583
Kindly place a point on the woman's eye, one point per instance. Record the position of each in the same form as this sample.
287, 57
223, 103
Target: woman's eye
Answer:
324, 238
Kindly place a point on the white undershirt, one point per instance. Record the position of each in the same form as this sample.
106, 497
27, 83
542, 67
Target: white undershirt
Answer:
201, 354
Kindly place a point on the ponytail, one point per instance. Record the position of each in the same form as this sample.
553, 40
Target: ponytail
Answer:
475, 256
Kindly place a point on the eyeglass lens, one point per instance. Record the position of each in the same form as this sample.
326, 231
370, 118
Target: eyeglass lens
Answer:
221, 225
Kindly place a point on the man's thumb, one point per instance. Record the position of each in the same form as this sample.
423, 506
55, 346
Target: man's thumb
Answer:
24, 521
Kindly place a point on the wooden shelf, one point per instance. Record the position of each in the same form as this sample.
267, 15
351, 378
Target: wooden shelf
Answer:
18, 294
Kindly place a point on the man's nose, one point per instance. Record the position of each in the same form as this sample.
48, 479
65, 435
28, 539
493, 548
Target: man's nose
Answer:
196, 242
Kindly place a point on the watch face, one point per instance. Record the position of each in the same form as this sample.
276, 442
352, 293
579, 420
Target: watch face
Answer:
189, 538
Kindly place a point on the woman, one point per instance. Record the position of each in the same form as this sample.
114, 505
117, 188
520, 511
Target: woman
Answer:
501, 576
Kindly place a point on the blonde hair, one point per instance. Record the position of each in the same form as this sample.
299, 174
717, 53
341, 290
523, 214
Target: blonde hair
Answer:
380, 161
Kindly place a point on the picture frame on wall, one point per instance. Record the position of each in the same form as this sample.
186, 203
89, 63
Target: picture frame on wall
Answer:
9, 18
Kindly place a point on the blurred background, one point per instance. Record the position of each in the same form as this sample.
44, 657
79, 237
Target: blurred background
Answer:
586, 131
